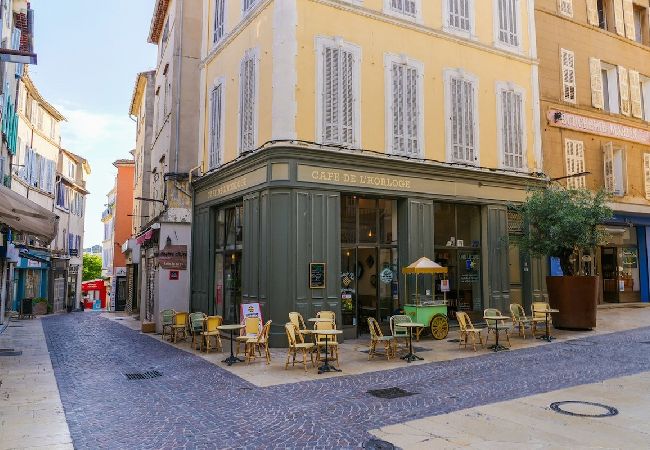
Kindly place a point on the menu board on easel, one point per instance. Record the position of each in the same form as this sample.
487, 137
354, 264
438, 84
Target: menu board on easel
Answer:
317, 276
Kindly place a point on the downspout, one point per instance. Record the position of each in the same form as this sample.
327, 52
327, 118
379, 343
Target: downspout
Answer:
537, 133
178, 88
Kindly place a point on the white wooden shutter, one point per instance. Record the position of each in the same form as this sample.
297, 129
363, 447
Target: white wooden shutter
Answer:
405, 111
624, 90
331, 116
462, 124
595, 70
608, 166
628, 18
398, 107
247, 104
619, 21
219, 19
347, 98
214, 158
512, 129
508, 22
574, 156
459, 14
635, 93
565, 7
646, 174
567, 60
592, 12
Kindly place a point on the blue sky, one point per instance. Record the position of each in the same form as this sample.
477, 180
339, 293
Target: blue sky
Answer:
89, 53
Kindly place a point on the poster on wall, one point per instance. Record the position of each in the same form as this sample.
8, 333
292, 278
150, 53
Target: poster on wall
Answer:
173, 257
250, 310
317, 276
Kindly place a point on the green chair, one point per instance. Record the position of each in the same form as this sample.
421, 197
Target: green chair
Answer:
397, 331
196, 327
167, 319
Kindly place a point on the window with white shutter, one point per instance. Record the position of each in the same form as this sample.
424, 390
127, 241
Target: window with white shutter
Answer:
405, 109
216, 126
615, 170
247, 5
461, 98
219, 20
408, 8
507, 23
565, 7
597, 92
646, 174
459, 15
636, 100
574, 157
567, 60
510, 118
247, 102
624, 90
645, 96
610, 84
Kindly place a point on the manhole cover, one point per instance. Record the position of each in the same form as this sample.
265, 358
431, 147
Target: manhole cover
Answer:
143, 375
11, 353
583, 409
390, 393
15, 326
378, 444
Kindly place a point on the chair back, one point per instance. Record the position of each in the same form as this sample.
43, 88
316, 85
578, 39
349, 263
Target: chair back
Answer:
180, 318
196, 321
264, 334
375, 329
320, 338
517, 312
290, 329
327, 315
491, 312
395, 329
167, 315
462, 318
251, 326
296, 319
212, 323
538, 308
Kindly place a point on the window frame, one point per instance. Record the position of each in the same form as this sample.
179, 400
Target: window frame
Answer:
611, 97
574, 182
468, 34
501, 88
215, 38
563, 97
322, 42
465, 76
389, 60
498, 43
251, 6
253, 54
417, 18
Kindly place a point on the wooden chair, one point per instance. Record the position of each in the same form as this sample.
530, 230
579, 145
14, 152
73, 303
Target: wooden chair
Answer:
520, 320
537, 309
295, 347
251, 329
491, 325
327, 315
166, 319
179, 325
376, 336
260, 342
467, 329
332, 342
397, 331
211, 330
296, 319
196, 327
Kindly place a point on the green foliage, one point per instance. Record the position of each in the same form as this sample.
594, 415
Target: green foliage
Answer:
559, 222
38, 300
92, 267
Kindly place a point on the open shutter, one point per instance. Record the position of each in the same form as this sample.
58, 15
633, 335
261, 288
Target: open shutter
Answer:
412, 110
619, 21
568, 75
635, 93
565, 7
398, 108
330, 94
597, 99
592, 12
646, 174
624, 90
628, 17
608, 166
574, 155
347, 98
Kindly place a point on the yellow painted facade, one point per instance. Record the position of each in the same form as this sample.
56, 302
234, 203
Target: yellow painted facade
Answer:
375, 32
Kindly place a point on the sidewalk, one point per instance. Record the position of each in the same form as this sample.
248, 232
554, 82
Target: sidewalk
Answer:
31, 413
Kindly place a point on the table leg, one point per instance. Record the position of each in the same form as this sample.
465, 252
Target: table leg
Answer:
547, 337
497, 347
326, 367
411, 356
232, 358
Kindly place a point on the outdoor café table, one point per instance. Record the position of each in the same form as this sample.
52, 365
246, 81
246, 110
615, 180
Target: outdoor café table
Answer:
547, 337
410, 356
232, 358
496, 347
326, 367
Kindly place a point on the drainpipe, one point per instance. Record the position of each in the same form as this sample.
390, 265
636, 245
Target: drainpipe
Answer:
178, 88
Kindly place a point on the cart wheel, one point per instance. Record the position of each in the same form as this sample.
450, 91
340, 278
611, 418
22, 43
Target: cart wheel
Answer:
439, 326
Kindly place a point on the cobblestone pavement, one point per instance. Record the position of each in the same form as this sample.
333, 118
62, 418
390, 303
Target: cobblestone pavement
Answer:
196, 404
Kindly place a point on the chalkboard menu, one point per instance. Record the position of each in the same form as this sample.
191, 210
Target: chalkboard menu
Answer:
317, 275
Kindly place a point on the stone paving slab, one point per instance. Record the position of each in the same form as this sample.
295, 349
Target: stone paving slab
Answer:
196, 404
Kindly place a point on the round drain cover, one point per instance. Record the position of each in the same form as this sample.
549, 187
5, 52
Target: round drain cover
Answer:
583, 409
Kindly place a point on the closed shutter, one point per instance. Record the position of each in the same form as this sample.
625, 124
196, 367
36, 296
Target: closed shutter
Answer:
462, 119
407, 7
574, 155
568, 75
608, 163
331, 92
595, 69
216, 105
219, 19
646, 174
635, 94
347, 98
405, 109
459, 14
247, 104
628, 17
398, 107
624, 90
512, 129
565, 7
592, 12
412, 113
508, 26
619, 21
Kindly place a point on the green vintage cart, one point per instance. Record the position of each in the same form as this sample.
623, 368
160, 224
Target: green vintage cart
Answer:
425, 309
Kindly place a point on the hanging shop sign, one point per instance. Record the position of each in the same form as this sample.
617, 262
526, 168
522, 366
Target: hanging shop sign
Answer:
317, 275
173, 257
386, 275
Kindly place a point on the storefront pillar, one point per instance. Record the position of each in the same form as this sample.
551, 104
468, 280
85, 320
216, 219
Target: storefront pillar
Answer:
642, 238
498, 249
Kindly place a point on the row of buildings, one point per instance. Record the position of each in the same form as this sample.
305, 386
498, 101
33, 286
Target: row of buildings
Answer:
361, 135
43, 185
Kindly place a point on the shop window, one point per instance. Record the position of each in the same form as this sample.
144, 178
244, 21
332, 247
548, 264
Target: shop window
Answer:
348, 220
367, 220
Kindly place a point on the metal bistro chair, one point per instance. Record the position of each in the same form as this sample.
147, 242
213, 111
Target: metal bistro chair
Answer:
296, 347
211, 330
196, 327
491, 325
179, 325
251, 330
397, 331
166, 319
376, 336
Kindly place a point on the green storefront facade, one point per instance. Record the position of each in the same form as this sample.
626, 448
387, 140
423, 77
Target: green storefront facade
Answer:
299, 228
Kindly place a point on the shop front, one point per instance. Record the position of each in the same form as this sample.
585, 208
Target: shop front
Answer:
315, 232
30, 275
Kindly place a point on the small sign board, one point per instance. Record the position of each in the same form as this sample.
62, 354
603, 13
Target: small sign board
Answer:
174, 275
317, 273
250, 310
173, 257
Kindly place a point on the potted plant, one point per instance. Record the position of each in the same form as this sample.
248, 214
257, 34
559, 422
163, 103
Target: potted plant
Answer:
561, 222
40, 306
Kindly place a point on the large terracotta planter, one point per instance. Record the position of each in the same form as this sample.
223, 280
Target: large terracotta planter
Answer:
576, 298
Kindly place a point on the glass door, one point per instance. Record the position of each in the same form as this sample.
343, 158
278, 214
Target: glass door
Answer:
610, 274
387, 285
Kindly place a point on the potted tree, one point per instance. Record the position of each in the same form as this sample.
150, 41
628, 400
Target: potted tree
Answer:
562, 222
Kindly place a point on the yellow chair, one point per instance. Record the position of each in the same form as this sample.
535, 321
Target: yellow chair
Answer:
260, 342
537, 309
179, 325
211, 330
491, 325
166, 318
332, 343
251, 329
376, 336
520, 320
331, 315
296, 319
467, 329
295, 347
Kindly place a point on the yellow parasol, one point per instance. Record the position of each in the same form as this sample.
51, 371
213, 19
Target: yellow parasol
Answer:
421, 266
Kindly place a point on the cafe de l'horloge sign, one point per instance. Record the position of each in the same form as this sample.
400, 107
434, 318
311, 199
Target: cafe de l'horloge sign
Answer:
600, 127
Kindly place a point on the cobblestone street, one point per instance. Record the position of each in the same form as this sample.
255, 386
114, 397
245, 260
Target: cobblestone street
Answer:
196, 404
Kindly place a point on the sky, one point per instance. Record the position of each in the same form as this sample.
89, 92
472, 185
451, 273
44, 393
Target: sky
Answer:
87, 66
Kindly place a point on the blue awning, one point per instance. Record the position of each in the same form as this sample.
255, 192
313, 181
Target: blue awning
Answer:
632, 219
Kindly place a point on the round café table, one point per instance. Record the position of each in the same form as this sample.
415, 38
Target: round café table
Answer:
496, 347
232, 358
547, 337
326, 367
410, 356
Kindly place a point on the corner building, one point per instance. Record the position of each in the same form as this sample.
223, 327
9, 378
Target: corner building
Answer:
362, 135
595, 98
